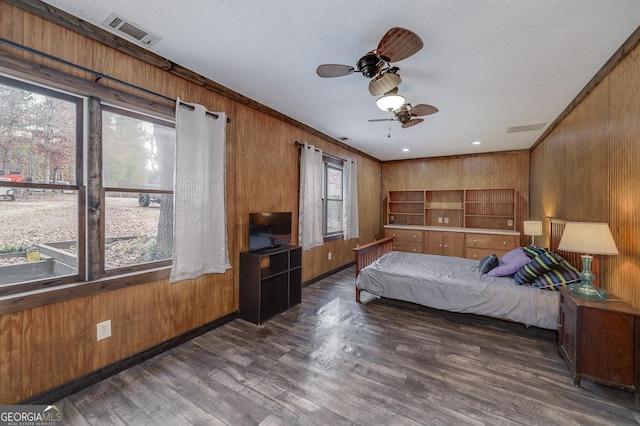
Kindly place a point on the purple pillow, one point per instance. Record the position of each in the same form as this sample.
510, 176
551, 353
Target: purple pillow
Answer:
510, 263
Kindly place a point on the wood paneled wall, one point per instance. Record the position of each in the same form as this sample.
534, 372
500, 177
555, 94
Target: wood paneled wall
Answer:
587, 169
495, 170
43, 347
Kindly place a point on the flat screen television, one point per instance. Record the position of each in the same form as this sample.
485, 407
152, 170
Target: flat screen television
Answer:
269, 230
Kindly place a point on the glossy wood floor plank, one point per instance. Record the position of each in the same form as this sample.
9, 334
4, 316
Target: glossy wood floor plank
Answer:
330, 361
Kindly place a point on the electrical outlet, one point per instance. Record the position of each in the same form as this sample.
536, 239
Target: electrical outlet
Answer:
329, 256
104, 329
446, 220
439, 220
509, 222
392, 218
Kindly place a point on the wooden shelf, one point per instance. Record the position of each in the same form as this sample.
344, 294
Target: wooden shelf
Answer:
464, 208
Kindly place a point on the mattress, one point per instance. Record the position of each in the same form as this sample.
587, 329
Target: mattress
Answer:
457, 285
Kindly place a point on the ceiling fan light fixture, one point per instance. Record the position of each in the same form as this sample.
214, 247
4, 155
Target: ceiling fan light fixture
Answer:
390, 102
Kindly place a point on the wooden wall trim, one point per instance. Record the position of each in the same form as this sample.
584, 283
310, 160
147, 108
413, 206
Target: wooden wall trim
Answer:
93, 32
459, 156
615, 59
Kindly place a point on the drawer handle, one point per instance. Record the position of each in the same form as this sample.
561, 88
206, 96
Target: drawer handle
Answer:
414, 249
439, 245
475, 241
446, 246
414, 236
504, 242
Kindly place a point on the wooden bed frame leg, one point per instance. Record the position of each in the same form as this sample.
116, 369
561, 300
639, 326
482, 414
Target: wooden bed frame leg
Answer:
358, 295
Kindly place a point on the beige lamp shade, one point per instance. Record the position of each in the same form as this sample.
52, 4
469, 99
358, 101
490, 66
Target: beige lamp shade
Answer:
588, 238
532, 227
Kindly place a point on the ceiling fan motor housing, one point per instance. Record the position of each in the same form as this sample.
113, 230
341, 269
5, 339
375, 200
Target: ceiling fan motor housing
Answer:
369, 65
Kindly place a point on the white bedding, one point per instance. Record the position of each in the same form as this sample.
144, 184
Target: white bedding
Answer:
456, 284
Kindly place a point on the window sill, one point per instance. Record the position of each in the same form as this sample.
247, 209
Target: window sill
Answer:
334, 237
60, 293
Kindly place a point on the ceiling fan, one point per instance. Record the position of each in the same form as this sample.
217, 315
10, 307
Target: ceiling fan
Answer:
397, 44
407, 114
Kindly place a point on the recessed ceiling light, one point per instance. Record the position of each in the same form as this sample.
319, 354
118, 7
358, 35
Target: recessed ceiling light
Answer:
476, 143
405, 149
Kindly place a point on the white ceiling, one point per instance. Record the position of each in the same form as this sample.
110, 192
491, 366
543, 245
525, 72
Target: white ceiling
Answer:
486, 65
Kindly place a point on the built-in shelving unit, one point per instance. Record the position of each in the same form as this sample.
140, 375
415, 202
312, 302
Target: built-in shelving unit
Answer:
463, 208
405, 207
489, 208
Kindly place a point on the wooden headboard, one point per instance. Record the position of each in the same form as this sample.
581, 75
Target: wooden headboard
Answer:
555, 234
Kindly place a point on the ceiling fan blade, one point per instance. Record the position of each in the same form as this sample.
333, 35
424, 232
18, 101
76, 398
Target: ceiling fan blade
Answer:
412, 122
383, 119
383, 84
334, 70
398, 44
423, 109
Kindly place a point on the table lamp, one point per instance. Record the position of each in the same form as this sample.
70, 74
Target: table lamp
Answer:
589, 238
533, 228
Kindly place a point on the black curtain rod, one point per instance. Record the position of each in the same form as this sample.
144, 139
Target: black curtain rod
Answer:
97, 75
301, 145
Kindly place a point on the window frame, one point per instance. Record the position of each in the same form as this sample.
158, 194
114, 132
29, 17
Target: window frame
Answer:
330, 163
102, 271
78, 185
89, 192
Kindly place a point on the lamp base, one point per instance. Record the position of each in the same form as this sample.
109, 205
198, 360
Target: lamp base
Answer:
587, 292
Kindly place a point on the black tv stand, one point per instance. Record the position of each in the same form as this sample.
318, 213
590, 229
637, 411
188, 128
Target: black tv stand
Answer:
270, 282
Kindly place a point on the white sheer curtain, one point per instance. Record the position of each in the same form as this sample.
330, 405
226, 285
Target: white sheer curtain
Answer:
199, 212
350, 196
310, 208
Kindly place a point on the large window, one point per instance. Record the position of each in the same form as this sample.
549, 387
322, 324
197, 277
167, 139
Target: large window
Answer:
333, 199
57, 205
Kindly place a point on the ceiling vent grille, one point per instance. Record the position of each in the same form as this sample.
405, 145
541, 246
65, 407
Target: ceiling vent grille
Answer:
525, 128
131, 30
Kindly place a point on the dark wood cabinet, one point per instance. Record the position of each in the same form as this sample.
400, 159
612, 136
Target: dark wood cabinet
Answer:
270, 282
600, 341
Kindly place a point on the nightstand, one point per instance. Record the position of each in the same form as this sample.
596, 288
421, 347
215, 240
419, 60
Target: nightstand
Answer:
600, 341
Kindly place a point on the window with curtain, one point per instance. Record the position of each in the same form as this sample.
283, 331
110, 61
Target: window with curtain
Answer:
80, 209
333, 199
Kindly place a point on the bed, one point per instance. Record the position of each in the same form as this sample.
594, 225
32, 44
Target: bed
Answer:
453, 284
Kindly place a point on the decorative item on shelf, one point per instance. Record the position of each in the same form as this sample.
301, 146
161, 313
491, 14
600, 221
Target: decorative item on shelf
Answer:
533, 228
589, 238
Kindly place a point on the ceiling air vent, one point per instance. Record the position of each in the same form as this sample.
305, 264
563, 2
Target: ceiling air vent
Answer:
525, 128
130, 29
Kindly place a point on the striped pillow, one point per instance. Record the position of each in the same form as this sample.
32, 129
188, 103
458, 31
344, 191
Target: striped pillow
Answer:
561, 276
532, 251
543, 263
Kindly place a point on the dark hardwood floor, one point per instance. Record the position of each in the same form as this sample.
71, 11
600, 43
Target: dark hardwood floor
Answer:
330, 361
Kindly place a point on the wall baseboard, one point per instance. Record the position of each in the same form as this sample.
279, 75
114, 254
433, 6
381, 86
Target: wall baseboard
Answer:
325, 275
69, 388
